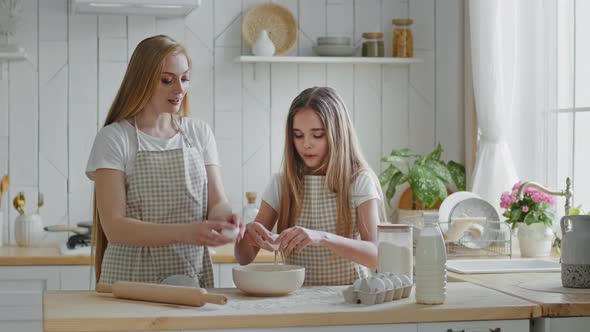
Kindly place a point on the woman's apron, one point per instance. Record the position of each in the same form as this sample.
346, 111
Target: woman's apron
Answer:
166, 187
319, 212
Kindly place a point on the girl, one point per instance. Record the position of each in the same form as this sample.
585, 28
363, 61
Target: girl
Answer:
327, 201
156, 177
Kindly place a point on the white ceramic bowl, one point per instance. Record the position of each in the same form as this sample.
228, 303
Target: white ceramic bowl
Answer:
268, 280
334, 40
334, 50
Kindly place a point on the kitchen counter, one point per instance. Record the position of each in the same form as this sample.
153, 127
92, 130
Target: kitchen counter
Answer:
309, 306
529, 286
38, 256
51, 255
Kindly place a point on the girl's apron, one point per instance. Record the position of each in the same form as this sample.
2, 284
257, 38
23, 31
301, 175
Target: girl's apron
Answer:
319, 212
166, 187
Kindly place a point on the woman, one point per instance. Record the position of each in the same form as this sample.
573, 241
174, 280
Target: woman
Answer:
157, 177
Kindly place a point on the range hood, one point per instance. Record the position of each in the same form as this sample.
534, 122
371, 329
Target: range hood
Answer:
159, 8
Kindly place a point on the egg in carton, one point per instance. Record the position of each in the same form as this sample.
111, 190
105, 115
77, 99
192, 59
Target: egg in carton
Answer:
398, 287
371, 290
406, 285
390, 286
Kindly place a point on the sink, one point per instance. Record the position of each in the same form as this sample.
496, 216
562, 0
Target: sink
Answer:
477, 266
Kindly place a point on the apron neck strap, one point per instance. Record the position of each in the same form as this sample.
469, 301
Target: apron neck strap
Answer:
174, 122
179, 127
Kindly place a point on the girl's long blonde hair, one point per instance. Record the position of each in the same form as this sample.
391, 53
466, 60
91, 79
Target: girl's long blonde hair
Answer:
342, 164
139, 83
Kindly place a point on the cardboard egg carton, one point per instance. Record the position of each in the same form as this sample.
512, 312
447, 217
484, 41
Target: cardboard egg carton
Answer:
383, 287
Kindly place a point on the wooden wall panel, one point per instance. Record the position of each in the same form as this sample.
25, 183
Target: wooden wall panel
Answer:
83, 112
76, 63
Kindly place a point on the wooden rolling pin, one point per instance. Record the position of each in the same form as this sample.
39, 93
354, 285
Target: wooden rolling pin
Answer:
192, 296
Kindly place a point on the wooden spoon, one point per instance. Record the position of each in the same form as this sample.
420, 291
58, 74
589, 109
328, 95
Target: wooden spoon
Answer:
4, 187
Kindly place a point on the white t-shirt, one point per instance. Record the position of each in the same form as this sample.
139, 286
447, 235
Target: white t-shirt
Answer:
115, 145
363, 189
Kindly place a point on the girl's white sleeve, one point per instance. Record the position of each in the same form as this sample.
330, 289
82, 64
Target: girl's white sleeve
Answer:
272, 193
365, 189
108, 151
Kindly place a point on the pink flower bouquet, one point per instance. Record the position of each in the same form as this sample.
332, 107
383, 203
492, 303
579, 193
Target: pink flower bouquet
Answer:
534, 207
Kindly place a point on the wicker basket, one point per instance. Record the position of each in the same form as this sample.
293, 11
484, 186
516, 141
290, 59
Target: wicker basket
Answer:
277, 20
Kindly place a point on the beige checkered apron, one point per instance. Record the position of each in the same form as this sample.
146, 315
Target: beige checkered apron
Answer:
319, 212
166, 187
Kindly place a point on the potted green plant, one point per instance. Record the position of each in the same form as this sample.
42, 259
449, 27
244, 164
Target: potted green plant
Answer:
427, 175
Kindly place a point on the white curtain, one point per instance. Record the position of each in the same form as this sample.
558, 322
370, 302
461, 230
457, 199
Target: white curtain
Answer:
492, 25
514, 56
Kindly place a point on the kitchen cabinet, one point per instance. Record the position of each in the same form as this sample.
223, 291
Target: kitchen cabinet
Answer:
22, 287
21, 296
477, 326
481, 326
569, 324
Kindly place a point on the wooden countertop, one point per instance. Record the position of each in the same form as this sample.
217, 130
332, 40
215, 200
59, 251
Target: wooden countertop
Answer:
309, 306
51, 255
28, 256
552, 303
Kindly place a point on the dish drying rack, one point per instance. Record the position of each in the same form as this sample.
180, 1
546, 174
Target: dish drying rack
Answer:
496, 240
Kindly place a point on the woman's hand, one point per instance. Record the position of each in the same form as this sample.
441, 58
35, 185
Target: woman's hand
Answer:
235, 220
258, 236
298, 237
208, 233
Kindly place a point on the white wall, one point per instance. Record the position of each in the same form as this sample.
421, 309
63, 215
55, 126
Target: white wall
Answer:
52, 104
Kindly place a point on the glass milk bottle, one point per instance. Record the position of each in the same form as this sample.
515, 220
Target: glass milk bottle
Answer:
250, 210
431, 263
395, 249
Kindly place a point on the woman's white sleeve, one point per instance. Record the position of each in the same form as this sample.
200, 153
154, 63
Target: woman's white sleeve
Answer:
107, 152
210, 154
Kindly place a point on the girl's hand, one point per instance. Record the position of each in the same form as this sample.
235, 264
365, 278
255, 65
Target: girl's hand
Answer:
258, 236
298, 237
208, 233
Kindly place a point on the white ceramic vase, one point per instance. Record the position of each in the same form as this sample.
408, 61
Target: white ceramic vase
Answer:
535, 240
263, 45
28, 230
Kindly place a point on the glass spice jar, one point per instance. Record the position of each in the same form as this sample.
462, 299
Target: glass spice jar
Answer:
373, 44
403, 41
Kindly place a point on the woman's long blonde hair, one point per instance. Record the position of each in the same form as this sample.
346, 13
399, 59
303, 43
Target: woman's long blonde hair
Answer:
342, 165
137, 88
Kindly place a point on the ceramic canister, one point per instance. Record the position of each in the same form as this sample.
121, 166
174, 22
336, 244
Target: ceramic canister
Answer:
575, 244
28, 230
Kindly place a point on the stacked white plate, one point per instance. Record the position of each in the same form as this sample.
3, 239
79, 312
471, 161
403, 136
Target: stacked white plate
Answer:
468, 204
334, 46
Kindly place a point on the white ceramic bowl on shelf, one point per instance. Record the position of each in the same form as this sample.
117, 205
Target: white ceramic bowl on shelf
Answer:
268, 280
334, 50
334, 40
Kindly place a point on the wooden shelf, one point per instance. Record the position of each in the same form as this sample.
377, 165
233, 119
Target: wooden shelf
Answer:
326, 59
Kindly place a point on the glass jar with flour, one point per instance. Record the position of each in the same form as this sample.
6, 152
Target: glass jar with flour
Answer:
395, 249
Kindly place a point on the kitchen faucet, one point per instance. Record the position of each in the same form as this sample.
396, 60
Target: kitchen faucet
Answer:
567, 192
